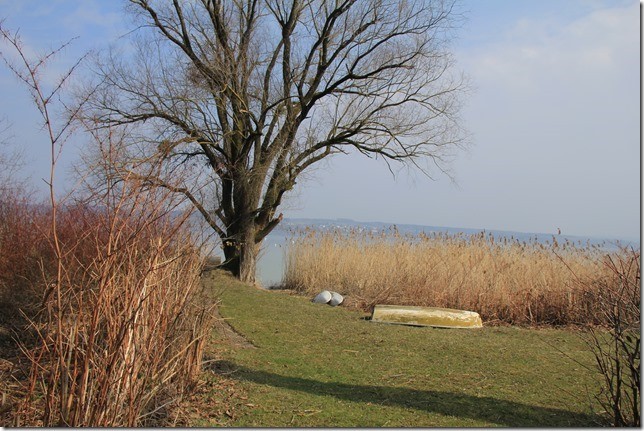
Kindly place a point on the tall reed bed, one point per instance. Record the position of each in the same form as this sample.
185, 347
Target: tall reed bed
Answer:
505, 280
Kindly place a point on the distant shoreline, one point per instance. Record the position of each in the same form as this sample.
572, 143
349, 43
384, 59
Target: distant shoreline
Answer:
344, 223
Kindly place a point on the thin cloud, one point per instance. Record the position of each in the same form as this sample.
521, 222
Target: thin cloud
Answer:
556, 137
537, 51
90, 15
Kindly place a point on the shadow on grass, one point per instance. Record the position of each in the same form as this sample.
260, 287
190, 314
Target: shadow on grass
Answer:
497, 411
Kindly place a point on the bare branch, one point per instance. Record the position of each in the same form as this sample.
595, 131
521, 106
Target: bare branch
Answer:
262, 91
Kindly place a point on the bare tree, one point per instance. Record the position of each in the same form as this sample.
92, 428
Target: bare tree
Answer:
249, 94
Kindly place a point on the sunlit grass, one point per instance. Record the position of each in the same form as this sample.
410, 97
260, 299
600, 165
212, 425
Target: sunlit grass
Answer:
321, 366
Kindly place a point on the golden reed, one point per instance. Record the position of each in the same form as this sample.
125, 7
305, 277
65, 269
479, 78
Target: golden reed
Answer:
504, 280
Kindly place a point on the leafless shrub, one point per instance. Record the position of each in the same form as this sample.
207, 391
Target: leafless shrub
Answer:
121, 329
123, 332
616, 345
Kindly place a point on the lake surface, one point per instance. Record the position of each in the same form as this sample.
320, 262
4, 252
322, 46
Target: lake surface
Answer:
270, 266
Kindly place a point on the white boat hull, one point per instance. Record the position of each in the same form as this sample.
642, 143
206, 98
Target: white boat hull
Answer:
426, 316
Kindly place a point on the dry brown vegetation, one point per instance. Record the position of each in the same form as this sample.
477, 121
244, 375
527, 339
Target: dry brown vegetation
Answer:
118, 337
505, 280
104, 323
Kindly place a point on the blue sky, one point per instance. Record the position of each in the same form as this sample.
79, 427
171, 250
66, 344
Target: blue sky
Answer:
554, 120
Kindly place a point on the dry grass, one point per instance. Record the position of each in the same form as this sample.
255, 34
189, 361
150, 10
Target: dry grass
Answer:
506, 281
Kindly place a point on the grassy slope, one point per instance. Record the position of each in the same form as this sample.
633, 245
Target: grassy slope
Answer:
317, 365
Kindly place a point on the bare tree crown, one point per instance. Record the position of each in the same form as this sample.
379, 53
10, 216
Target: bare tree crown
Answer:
258, 91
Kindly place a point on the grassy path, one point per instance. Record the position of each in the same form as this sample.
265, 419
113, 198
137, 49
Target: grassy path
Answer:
315, 365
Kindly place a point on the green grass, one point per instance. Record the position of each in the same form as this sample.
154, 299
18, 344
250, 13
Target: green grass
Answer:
316, 366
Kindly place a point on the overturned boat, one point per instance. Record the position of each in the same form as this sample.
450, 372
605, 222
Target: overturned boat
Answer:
426, 316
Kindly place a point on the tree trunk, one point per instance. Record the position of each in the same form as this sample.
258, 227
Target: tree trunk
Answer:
248, 262
240, 253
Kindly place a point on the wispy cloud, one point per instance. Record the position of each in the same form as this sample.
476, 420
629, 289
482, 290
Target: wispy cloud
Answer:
88, 16
534, 52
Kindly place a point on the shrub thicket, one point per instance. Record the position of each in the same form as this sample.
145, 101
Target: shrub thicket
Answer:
118, 335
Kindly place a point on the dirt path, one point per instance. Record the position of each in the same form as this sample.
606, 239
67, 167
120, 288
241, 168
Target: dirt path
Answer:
228, 332
224, 328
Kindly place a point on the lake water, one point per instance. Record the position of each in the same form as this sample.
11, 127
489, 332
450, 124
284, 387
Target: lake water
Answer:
270, 266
